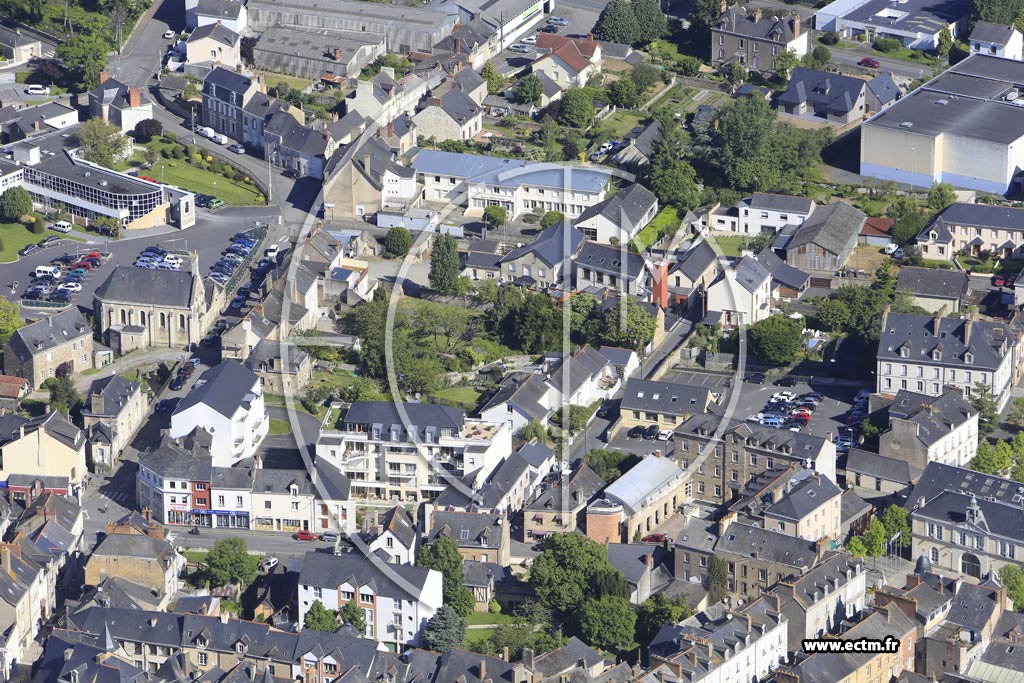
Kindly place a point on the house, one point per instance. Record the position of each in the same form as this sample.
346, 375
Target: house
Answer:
145, 560
741, 293
258, 112
639, 500
808, 508
411, 592
882, 91
225, 95
625, 361
521, 398
838, 99
933, 289
26, 122
691, 274
754, 450
23, 604
114, 409
973, 229
823, 242
766, 212
19, 48
313, 53
996, 39
928, 354
46, 452
385, 98
818, 602
637, 148
452, 116
227, 402
618, 219
480, 260
239, 340
13, 388
290, 145
561, 507
964, 522
974, 145
369, 181
505, 491
232, 14
878, 476
283, 368
480, 536
970, 630
605, 266
546, 261
396, 537
918, 24
60, 344
754, 39
647, 403
569, 62
408, 435
135, 308
787, 282
877, 231
400, 134
217, 44
646, 566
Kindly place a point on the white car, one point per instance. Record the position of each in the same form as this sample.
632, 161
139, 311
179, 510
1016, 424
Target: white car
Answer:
272, 251
519, 47
558, 21
170, 33
37, 90
530, 40
269, 563
61, 226
173, 259
71, 287
783, 396
665, 435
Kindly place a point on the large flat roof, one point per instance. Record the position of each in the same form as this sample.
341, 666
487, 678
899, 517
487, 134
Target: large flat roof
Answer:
315, 43
968, 100
922, 16
426, 16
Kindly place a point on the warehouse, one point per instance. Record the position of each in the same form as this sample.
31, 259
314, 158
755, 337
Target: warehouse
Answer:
310, 53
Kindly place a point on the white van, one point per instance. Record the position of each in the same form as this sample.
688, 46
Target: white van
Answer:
37, 90
52, 271
205, 131
61, 226
219, 138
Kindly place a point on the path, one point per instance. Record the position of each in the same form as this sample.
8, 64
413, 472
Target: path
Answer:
130, 362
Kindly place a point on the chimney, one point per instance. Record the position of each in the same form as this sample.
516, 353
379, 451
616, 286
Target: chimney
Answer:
458, 44
757, 15
968, 325
796, 25
68, 652
528, 658
5, 556
366, 163
885, 315
647, 560
724, 6
504, 654
483, 669
693, 655
147, 514
337, 54
104, 76
659, 284
35, 125
134, 97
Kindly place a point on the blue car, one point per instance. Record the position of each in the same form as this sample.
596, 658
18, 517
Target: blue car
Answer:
163, 405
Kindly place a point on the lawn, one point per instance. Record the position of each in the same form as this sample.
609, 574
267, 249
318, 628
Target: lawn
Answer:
905, 54
477, 635
272, 79
731, 245
31, 78
476, 618
14, 236
198, 556
179, 172
279, 427
666, 221
467, 395
621, 122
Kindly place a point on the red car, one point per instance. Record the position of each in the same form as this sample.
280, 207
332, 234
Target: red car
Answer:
870, 62
303, 535
654, 538
91, 254
998, 281
84, 265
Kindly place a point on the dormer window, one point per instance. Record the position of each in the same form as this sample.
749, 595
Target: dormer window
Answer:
294, 490
933, 235
904, 352
240, 648
969, 358
936, 354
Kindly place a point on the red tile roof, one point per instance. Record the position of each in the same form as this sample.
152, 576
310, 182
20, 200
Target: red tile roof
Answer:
877, 227
11, 387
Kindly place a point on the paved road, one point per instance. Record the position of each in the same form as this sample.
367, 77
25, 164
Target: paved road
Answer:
848, 58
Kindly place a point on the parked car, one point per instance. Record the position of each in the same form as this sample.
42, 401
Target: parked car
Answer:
205, 131
521, 48
530, 40
654, 538
651, 432
268, 563
163, 405
215, 204
203, 200
870, 62
61, 296
636, 432
550, 28
28, 249
239, 301
558, 21
242, 237
61, 226
755, 378
329, 537
237, 148
786, 382
272, 251
170, 33
146, 265
998, 281
303, 535
898, 254
155, 251
177, 383
37, 90
664, 435
73, 287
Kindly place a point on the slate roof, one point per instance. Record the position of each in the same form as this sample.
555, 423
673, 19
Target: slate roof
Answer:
784, 203
835, 93
853, 506
629, 558
750, 273
617, 356
773, 28
782, 272
800, 445
225, 387
114, 391
138, 546
806, 585
935, 416
525, 391
626, 208
162, 288
48, 333
217, 31
480, 574
695, 261
641, 480
550, 245
980, 216
860, 461
566, 658
401, 524
468, 529
973, 607
831, 227
420, 415
580, 487
641, 139
459, 106
767, 546
917, 334
227, 78
669, 398
938, 477
326, 570
934, 283
803, 499
884, 88
488, 496
268, 352
225, 9
987, 32
610, 259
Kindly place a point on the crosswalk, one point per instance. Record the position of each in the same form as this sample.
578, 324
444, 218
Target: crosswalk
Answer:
123, 498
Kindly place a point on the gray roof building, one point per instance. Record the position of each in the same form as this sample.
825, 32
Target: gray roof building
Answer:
550, 245
782, 273
168, 288
834, 227
834, 94
947, 342
935, 416
932, 283
476, 529
215, 31
651, 474
48, 333
804, 498
995, 34
225, 387
626, 208
783, 203
668, 398
859, 461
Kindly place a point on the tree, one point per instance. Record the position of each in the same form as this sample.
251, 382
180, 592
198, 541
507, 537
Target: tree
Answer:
569, 572
908, 220
495, 81
353, 615
940, 196
247, 51
609, 464
617, 24
944, 43
529, 90
319, 618
15, 203
495, 216
984, 458
624, 93
1012, 576
735, 73
608, 623
147, 129
718, 578
785, 63
550, 219
534, 430
818, 58
657, 611
230, 562
746, 147
102, 143
675, 185
632, 330
704, 14
577, 106
988, 408
63, 396
856, 547
896, 521
650, 20
444, 631
151, 155
397, 242
443, 556
10, 320
832, 315
444, 265
875, 538
645, 76
38, 225
776, 340
84, 57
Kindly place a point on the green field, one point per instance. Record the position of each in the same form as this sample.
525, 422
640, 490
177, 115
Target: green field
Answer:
664, 223
16, 235
279, 427
477, 635
272, 79
179, 172
730, 245
621, 122
459, 394
476, 618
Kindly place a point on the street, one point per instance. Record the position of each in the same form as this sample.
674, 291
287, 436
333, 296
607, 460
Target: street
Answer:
848, 58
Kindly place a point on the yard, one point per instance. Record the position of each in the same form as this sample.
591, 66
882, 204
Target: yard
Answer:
685, 100
731, 245
272, 79
463, 395
179, 172
14, 236
477, 635
664, 223
621, 122
279, 427
479, 618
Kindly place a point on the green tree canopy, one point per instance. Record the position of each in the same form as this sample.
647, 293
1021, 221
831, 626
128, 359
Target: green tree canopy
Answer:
84, 56
657, 611
571, 569
785, 62
776, 339
353, 615
495, 81
443, 556
444, 265
529, 90
718, 578
64, 396
15, 202
988, 408
444, 631
495, 216
1012, 576
940, 196
833, 314
746, 146
618, 24
875, 538
676, 185
101, 142
633, 330
10, 320
608, 623
550, 219
229, 562
397, 242
577, 106
534, 430
651, 21
319, 618
896, 521
625, 94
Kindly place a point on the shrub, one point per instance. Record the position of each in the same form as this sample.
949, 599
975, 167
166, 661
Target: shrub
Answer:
829, 38
887, 44
861, 38
493, 607
38, 225
688, 65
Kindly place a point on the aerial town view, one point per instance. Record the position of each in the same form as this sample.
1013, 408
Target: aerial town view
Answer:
512, 341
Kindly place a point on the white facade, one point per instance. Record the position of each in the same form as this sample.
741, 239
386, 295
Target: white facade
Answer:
931, 378
1012, 49
389, 543
601, 228
738, 304
235, 437
527, 198
397, 190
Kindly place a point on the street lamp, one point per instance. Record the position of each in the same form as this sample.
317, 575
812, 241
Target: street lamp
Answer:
193, 106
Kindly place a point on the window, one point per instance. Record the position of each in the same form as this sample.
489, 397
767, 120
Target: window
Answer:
295, 505
1006, 549
703, 561
202, 659
266, 505
220, 501
238, 502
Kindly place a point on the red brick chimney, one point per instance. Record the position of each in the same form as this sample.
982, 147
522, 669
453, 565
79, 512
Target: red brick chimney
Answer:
134, 97
103, 77
796, 25
337, 54
659, 284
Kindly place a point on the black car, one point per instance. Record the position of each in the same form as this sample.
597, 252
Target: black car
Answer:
203, 200
786, 382
636, 432
209, 342
67, 259
32, 294
154, 251
61, 296
241, 236
28, 249
651, 432
290, 173
177, 383
549, 28
755, 378
47, 241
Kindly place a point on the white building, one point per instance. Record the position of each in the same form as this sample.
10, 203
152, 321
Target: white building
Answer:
817, 602
227, 402
915, 23
409, 451
742, 293
230, 13
618, 219
397, 601
997, 40
924, 429
396, 537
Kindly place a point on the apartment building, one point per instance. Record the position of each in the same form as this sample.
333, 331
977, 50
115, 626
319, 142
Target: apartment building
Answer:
924, 429
561, 506
225, 95
762, 212
47, 450
927, 354
397, 602
618, 219
973, 229
808, 507
662, 404
114, 409
755, 39
816, 603
480, 536
60, 344
409, 451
